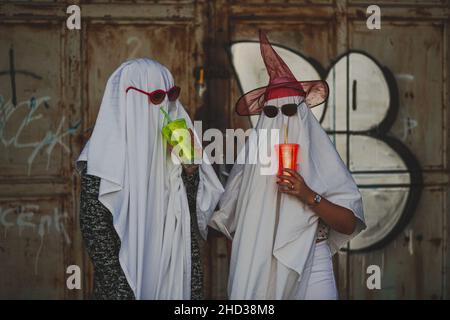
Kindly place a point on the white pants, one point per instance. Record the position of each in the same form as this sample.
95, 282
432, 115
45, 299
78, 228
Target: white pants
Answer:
321, 284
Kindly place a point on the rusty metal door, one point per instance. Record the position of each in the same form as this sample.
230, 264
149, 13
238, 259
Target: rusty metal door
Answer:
52, 80
51, 84
399, 162
413, 45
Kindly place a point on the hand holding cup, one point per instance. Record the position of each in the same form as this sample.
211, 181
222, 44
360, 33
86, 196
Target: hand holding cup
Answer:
291, 182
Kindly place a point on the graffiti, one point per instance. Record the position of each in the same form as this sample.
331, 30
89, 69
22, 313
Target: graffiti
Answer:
29, 217
9, 108
24, 126
47, 142
360, 112
135, 49
12, 72
408, 125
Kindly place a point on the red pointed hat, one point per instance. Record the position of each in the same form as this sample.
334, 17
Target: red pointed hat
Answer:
282, 83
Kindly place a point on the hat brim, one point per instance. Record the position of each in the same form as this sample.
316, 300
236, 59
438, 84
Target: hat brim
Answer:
252, 102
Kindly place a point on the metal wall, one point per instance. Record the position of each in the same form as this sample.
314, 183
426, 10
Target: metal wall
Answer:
52, 80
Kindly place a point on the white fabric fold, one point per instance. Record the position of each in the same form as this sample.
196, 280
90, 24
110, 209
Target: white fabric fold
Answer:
142, 187
271, 246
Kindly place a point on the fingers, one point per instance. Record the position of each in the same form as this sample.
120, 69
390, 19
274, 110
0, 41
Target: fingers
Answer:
285, 184
287, 191
288, 178
294, 173
287, 187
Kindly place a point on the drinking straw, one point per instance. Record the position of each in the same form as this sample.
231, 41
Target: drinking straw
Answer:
166, 115
201, 81
286, 133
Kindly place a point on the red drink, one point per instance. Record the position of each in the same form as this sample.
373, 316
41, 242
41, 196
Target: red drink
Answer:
287, 156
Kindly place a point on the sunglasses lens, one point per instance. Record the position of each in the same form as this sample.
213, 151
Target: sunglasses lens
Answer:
157, 97
289, 109
174, 93
270, 111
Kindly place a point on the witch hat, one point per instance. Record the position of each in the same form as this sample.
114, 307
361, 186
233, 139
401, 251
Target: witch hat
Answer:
282, 83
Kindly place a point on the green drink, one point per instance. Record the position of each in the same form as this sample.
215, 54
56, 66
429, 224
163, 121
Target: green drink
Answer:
176, 134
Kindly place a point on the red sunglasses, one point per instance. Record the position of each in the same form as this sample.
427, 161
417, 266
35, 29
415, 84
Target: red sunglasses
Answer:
157, 96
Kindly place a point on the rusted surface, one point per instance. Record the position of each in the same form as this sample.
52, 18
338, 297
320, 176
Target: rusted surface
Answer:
414, 265
32, 111
34, 234
412, 44
37, 220
62, 75
59, 77
133, 41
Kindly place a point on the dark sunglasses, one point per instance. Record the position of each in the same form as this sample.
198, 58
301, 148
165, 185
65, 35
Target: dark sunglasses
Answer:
288, 109
157, 96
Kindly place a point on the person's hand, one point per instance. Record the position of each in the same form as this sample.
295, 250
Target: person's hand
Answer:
291, 182
193, 144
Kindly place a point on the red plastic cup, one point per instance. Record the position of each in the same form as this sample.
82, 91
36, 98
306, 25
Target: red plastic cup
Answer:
287, 156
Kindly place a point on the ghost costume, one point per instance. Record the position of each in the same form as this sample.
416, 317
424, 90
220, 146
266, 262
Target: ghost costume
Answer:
274, 253
142, 187
273, 248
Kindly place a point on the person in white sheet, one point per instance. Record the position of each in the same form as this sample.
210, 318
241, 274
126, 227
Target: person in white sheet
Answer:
148, 241
285, 229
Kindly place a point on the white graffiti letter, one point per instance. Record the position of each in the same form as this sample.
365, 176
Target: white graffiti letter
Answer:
374, 280
374, 20
74, 20
74, 280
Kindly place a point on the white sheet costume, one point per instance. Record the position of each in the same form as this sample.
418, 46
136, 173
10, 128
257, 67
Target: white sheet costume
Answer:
273, 250
142, 187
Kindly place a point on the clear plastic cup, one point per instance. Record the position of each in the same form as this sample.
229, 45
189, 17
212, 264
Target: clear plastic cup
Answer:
287, 156
176, 133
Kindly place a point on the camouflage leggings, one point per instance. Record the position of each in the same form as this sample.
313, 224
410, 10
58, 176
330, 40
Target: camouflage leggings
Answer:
103, 243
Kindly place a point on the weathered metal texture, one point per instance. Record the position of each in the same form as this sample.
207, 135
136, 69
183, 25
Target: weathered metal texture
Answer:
216, 114
415, 50
59, 81
132, 41
37, 120
37, 89
36, 241
48, 105
413, 45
